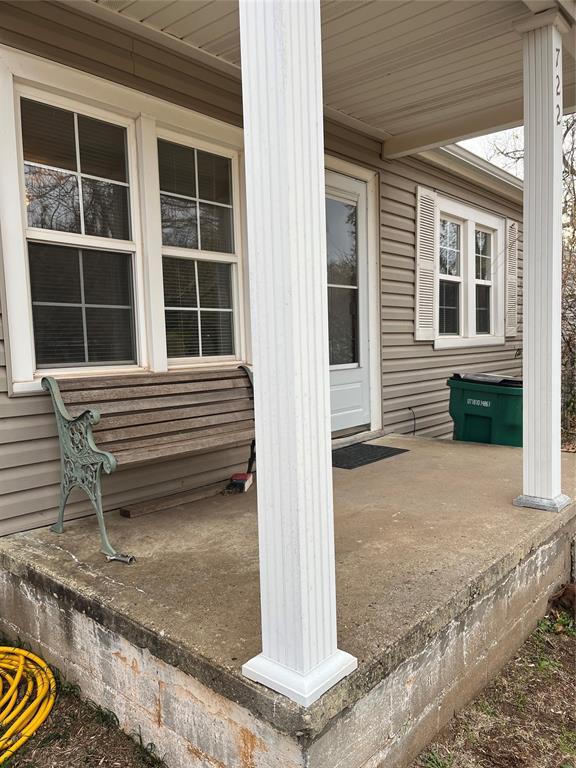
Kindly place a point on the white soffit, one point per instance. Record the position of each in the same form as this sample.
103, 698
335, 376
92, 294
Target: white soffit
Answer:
393, 68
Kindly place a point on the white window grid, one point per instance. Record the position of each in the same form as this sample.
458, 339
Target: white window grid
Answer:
488, 282
458, 278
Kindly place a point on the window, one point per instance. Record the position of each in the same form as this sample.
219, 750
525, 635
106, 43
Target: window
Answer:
470, 274
342, 255
77, 191
198, 251
450, 277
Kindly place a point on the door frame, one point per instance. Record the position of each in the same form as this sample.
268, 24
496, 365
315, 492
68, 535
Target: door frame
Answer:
370, 177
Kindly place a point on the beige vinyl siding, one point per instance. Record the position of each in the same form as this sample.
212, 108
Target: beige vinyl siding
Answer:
59, 33
414, 373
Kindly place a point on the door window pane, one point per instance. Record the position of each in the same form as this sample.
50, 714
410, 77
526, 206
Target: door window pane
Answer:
483, 309
449, 306
48, 135
343, 325
341, 242
450, 248
82, 305
102, 149
52, 200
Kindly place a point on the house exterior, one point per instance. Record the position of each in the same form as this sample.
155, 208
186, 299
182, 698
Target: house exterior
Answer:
387, 373
128, 243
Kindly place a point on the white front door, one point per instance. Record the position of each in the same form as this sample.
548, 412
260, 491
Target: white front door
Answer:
347, 252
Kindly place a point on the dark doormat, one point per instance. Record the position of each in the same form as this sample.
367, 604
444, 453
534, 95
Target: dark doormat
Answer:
352, 456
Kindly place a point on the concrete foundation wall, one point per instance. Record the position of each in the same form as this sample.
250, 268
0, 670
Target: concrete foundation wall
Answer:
194, 726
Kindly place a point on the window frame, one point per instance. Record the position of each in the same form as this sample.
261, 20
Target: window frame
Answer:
89, 242
472, 218
144, 116
234, 258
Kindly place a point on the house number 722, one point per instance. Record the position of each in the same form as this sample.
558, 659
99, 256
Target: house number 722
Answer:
558, 87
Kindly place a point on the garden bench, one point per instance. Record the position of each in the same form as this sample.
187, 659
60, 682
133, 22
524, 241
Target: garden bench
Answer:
123, 421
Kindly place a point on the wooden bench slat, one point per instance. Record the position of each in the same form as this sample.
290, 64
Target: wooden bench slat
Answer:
153, 390
169, 414
185, 448
151, 441
150, 404
188, 426
135, 379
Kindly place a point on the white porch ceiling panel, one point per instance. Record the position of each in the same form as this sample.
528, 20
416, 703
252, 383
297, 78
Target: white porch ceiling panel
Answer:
394, 68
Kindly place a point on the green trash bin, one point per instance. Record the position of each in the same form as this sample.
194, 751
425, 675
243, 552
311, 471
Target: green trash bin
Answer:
486, 408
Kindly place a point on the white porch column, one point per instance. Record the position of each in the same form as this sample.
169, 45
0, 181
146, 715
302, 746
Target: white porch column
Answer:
283, 125
542, 262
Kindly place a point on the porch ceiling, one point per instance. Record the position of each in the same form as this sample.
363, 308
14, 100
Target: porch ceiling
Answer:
414, 73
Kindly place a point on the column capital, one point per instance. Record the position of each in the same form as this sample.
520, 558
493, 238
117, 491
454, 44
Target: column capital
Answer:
550, 18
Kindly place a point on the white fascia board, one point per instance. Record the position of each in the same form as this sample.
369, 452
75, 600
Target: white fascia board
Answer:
468, 165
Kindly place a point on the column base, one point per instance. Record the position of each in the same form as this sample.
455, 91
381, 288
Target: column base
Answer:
556, 504
303, 689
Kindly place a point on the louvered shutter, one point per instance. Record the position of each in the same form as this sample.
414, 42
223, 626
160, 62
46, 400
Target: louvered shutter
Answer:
424, 329
511, 278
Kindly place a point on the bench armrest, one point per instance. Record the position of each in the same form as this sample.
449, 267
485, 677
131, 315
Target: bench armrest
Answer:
75, 433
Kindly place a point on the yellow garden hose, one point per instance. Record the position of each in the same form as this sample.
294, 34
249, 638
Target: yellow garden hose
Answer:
28, 692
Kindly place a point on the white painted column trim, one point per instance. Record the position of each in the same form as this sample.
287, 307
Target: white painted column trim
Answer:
148, 174
542, 274
18, 315
286, 232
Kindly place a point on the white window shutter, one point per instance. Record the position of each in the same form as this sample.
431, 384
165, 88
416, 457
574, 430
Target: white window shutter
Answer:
425, 323
511, 278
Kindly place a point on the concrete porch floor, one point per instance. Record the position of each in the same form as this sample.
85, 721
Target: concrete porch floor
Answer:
418, 538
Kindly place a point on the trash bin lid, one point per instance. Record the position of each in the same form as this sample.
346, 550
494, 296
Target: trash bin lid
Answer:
488, 378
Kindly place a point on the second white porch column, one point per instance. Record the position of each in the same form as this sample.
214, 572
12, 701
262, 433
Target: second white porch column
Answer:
542, 262
283, 131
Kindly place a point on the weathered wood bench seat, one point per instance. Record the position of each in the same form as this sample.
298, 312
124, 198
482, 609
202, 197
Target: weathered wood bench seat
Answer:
122, 421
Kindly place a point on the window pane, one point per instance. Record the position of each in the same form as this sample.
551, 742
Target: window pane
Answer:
58, 335
343, 325
105, 209
48, 135
216, 228
177, 169
341, 245
483, 242
179, 282
182, 333
217, 333
107, 277
102, 149
215, 287
483, 309
52, 199
178, 222
483, 247
109, 335
449, 308
214, 178
60, 331
54, 273
450, 234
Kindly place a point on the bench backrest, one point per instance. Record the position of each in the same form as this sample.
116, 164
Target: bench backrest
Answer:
162, 408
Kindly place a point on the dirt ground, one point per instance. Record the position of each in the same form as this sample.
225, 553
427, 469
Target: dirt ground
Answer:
525, 719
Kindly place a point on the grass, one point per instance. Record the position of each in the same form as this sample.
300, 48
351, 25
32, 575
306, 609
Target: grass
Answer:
81, 734
526, 718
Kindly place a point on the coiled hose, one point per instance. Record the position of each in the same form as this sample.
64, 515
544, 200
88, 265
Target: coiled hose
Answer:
27, 696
